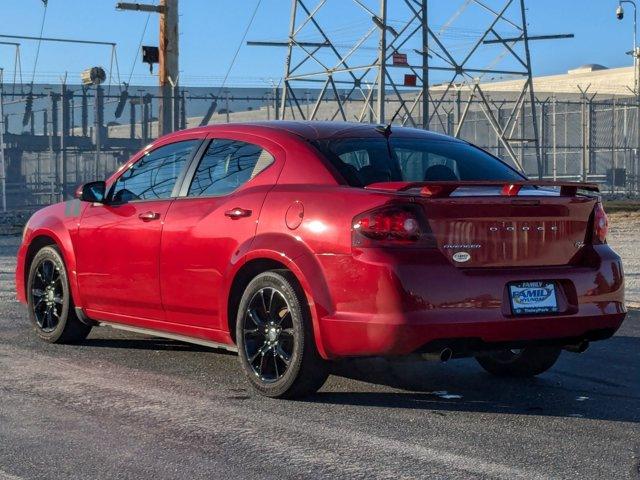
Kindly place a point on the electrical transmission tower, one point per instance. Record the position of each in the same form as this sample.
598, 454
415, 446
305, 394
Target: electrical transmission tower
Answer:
392, 64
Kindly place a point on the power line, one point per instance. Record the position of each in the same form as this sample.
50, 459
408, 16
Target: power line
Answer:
35, 63
244, 36
135, 57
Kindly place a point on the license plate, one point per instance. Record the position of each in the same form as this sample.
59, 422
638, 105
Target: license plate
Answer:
533, 297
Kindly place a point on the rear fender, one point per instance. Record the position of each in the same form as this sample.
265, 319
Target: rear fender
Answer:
297, 257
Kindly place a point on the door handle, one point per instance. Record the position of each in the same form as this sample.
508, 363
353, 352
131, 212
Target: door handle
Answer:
148, 216
237, 212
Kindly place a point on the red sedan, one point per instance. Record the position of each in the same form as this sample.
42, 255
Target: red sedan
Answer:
298, 243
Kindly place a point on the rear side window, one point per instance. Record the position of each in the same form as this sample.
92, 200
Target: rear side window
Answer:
154, 175
363, 161
226, 165
357, 159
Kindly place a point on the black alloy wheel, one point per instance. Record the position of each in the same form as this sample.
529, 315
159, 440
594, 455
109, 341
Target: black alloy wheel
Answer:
48, 295
275, 338
51, 307
268, 334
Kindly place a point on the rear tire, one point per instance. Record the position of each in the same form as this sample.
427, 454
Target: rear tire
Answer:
526, 362
51, 308
275, 339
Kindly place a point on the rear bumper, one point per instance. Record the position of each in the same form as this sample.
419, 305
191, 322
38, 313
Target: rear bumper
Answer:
391, 304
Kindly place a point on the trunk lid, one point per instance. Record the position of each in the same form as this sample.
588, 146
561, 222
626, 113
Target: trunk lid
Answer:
493, 224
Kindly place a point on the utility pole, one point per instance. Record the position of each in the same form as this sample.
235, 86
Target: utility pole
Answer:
168, 72
168, 56
2, 161
64, 131
98, 122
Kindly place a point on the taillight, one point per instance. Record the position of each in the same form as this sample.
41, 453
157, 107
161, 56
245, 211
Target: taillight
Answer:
387, 225
600, 224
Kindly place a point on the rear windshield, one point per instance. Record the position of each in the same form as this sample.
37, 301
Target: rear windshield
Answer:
363, 161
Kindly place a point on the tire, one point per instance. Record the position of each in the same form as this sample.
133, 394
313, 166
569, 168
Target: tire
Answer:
526, 362
51, 308
275, 340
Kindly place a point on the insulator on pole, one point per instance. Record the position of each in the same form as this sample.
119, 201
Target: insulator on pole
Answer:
122, 102
28, 108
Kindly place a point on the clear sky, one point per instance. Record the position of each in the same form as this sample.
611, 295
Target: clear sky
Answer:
211, 30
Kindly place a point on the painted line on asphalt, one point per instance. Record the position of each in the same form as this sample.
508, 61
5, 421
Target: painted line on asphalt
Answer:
73, 381
7, 476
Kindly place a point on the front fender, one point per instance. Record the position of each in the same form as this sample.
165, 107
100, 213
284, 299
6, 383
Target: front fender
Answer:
59, 223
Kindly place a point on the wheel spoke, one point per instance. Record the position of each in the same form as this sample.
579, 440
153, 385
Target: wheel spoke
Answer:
273, 292
287, 331
49, 317
58, 300
47, 270
255, 318
275, 363
261, 364
260, 351
264, 303
283, 355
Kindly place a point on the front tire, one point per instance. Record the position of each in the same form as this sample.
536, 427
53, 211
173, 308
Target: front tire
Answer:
275, 339
51, 308
525, 362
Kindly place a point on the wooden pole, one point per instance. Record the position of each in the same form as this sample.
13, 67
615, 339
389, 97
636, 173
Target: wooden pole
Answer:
169, 65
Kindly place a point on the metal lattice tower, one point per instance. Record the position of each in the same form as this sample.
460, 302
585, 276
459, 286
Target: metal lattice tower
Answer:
399, 68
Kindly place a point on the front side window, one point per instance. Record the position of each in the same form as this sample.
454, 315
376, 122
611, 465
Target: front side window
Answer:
226, 165
154, 175
363, 161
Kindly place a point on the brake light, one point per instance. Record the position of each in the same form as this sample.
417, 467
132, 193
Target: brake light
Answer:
396, 225
511, 190
600, 224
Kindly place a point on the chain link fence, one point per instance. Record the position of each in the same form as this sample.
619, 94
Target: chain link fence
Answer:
57, 138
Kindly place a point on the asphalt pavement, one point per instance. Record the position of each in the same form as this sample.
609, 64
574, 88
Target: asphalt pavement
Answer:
129, 406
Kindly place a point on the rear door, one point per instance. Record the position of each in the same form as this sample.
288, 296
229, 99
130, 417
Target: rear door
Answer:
211, 225
119, 242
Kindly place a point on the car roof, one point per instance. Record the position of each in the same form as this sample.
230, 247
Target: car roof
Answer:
318, 130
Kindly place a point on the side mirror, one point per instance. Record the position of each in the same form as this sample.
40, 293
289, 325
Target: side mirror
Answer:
93, 192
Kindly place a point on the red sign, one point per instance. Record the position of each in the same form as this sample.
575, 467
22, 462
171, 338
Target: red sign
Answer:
400, 58
410, 80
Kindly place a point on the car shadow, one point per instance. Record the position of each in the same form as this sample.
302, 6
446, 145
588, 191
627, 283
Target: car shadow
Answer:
602, 383
151, 343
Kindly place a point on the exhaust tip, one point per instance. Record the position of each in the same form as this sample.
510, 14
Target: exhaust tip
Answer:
443, 355
578, 347
446, 354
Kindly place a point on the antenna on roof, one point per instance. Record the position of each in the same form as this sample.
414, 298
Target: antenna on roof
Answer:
385, 130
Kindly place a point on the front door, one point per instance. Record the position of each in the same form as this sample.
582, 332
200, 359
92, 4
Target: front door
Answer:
119, 241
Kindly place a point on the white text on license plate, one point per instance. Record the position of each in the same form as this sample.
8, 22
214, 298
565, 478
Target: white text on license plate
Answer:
533, 297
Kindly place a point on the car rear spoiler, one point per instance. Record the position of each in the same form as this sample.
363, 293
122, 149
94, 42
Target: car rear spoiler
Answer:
444, 189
